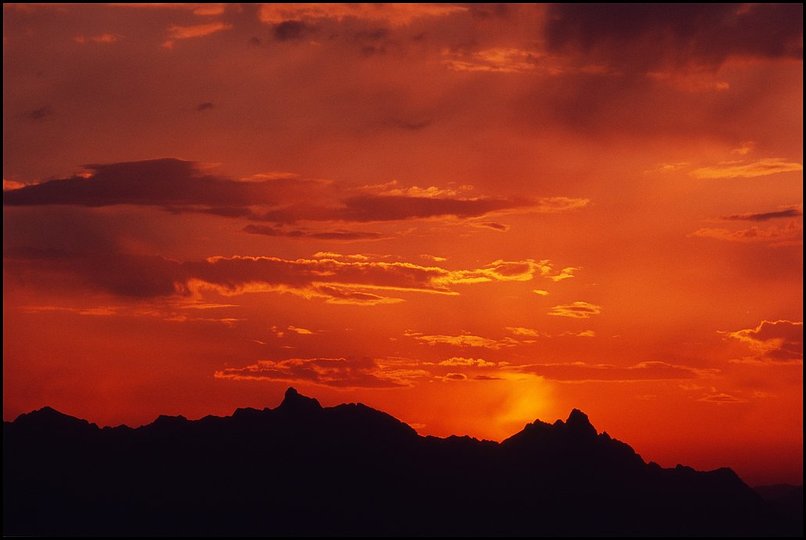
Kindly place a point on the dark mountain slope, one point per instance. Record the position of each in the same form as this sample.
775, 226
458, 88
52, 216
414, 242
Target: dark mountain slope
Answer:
301, 469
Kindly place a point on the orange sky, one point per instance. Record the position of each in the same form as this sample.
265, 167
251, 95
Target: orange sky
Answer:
469, 217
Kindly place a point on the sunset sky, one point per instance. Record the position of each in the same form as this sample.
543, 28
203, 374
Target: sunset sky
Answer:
468, 216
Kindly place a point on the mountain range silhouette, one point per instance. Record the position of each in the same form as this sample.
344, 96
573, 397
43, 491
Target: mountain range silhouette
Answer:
301, 470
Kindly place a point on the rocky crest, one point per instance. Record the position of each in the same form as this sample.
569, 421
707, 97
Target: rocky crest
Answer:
302, 469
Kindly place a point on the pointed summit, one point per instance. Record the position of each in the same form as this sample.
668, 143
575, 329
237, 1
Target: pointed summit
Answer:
578, 422
297, 403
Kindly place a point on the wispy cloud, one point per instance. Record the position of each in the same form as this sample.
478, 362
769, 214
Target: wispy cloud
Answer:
583, 333
766, 216
342, 235
281, 332
338, 372
460, 361
106, 37
495, 60
177, 32
721, 398
499, 227
585, 372
464, 340
741, 169
576, 310
336, 279
392, 14
522, 331
782, 235
547, 271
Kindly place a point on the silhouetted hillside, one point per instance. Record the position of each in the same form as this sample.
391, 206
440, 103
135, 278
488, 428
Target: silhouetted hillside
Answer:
301, 469
786, 501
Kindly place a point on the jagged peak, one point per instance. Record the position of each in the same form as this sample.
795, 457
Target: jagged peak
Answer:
47, 410
577, 416
294, 401
578, 421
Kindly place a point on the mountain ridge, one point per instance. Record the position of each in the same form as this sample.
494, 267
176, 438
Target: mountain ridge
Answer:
303, 469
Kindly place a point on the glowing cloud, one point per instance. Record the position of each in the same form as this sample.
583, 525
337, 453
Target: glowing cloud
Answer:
497, 60
394, 14
548, 272
177, 32
337, 280
774, 340
739, 169
521, 331
460, 361
576, 310
553, 205
464, 340
11, 185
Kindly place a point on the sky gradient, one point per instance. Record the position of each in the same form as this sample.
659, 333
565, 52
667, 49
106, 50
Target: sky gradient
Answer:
467, 216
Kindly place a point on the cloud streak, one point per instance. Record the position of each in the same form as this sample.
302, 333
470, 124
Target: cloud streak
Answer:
165, 183
734, 169
495, 60
460, 361
369, 208
585, 372
464, 340
184, 186
766, 216
336, 372
342, 235
333, 278
177, 32
392, 14
576, 310
786, 234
